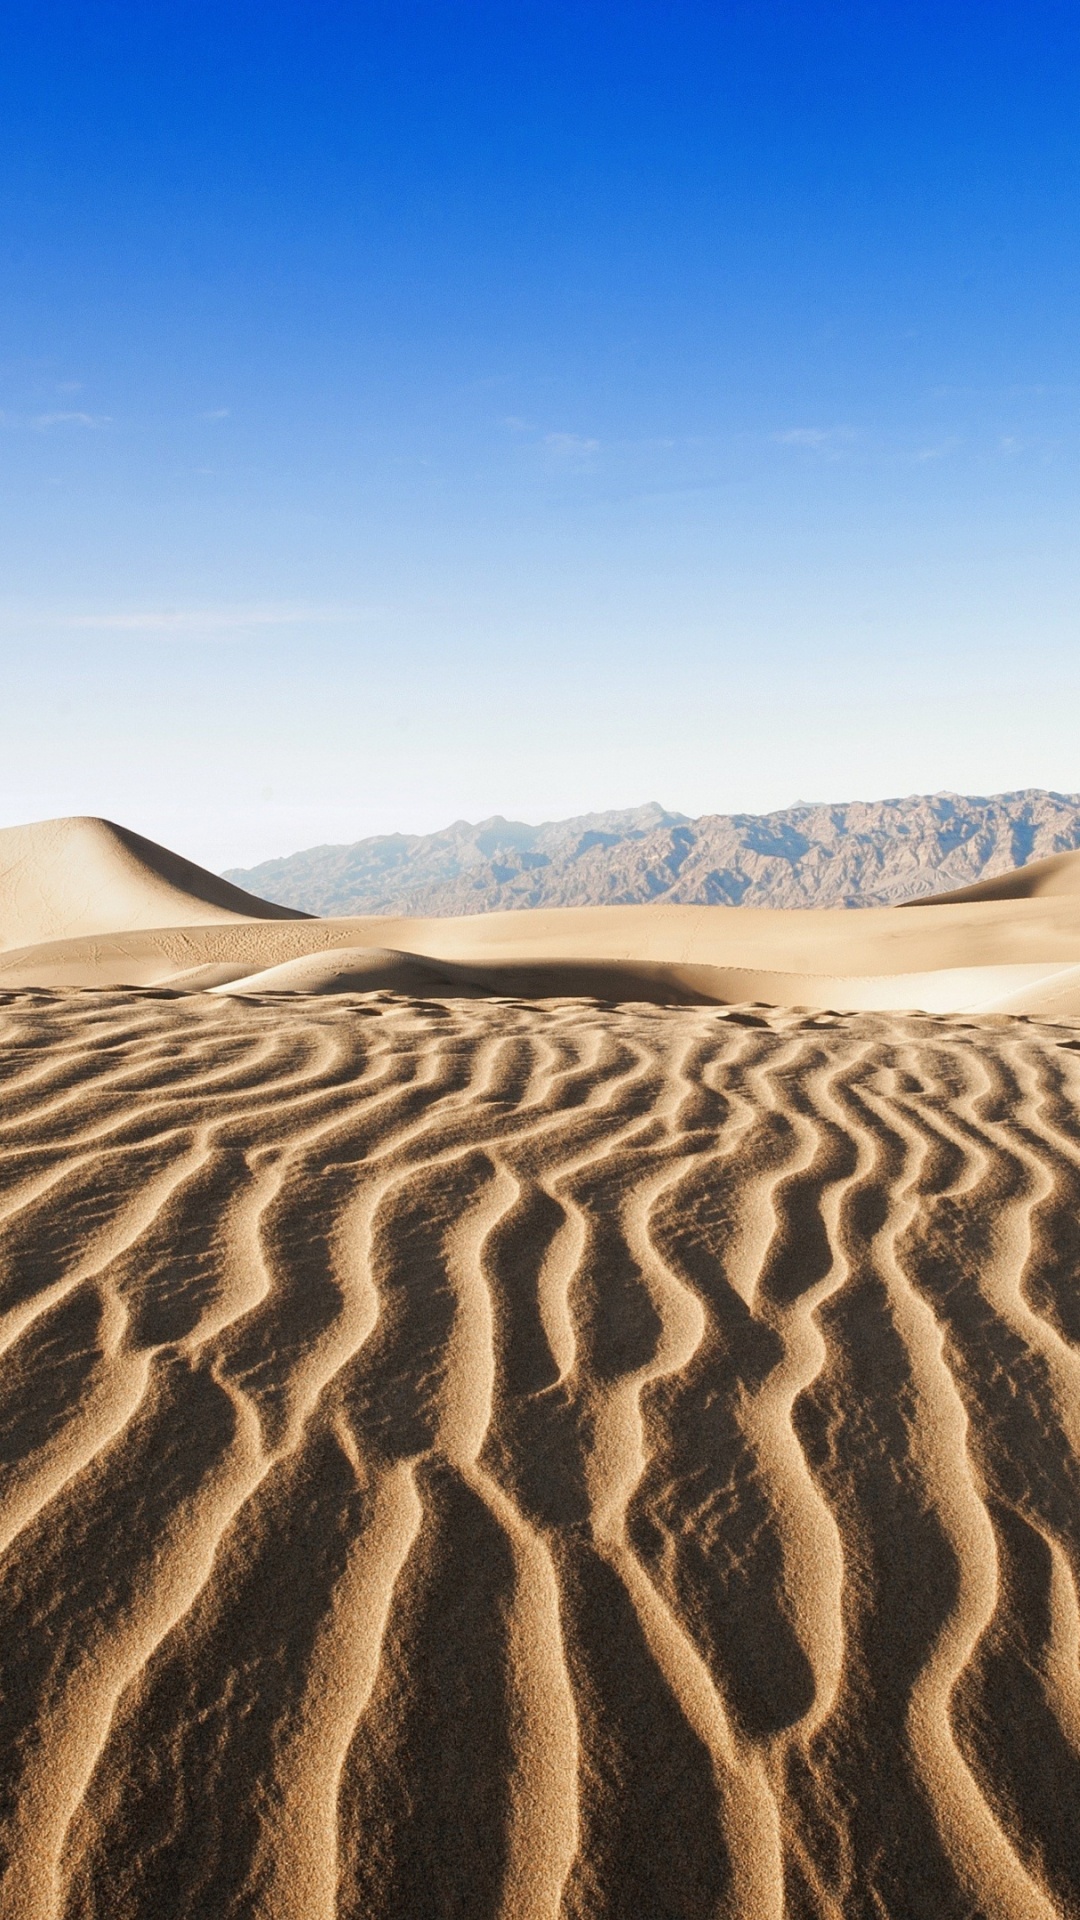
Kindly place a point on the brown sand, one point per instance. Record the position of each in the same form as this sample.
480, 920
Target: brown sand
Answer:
470, 1452
466, 1458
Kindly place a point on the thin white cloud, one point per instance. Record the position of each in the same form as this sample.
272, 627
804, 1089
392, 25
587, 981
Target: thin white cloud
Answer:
516, 425
820, 439
939, 452
216, 413
181, 620
71, 420
573, 448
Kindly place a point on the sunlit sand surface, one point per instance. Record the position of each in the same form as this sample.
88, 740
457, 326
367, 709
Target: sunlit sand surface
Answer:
546, 1456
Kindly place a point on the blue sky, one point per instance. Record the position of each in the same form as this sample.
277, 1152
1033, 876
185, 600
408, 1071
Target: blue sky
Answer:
421, 411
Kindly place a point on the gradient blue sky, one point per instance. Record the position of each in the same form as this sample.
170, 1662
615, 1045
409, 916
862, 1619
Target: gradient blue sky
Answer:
427, 410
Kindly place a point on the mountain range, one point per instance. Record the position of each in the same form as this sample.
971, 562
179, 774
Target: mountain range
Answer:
850, 854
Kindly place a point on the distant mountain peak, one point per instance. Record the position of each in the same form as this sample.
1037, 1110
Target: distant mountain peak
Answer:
812, 854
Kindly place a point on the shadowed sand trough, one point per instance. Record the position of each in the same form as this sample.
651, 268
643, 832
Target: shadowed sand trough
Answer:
478, 1458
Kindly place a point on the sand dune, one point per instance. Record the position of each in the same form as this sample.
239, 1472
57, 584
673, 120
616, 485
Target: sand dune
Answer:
63, 878
547, 1462
1058, 874
940, 959
86, 903
946, 989
495, 1424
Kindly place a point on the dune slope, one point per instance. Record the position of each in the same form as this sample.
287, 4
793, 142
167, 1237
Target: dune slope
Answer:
1058, 874
61, 879
1017, 953
85, 903
556, 1462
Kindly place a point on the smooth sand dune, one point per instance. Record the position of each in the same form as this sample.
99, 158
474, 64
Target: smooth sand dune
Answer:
87, 903
63, 878
464, 1457
1055, 997
967, 957
369, 969
1040, 879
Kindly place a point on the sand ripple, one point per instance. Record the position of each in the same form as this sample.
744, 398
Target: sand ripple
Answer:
547, 1462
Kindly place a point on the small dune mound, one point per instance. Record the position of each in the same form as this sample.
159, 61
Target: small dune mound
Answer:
386, 969
1041, 879
1034, 989
60, 879
344, 970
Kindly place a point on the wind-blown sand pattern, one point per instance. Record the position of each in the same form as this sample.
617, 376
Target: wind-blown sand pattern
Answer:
471, 1457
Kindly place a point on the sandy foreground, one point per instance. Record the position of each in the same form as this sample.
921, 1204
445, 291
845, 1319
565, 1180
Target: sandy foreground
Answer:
473, 1452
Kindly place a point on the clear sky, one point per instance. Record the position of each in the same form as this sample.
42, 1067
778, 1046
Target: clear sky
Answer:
450, 407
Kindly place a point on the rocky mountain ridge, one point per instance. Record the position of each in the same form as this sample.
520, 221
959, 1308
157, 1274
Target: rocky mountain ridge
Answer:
850, 854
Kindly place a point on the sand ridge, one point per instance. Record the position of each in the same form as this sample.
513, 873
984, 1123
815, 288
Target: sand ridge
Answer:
104, 907
558, 1415
1019, 956
536, 1460
65, 878
1058, 873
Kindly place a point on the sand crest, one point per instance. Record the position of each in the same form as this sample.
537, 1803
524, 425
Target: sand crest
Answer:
64, 878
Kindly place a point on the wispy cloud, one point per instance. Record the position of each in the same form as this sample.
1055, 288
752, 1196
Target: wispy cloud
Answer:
71, 420
231, 618
819, 439
572, 448
940, 451
210, 625
216, 413
517, 425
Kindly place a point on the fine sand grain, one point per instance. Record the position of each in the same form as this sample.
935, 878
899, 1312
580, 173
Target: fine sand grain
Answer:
466, 1457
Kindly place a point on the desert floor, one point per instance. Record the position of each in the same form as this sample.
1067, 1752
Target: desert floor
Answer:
480, 1457
495, 1425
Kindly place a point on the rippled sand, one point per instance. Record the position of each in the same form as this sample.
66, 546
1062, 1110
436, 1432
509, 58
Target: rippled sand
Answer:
478, 1458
